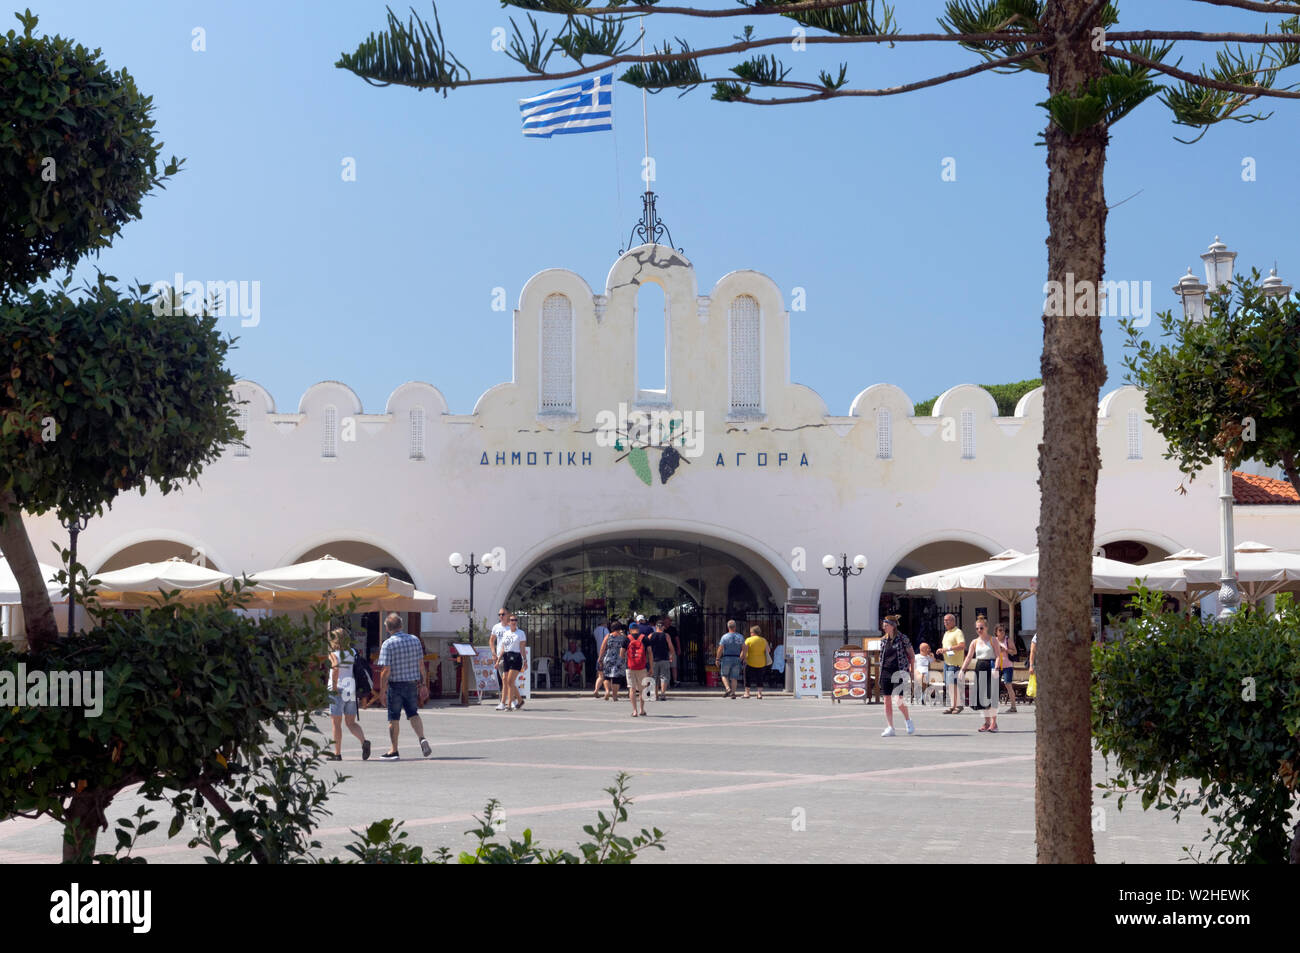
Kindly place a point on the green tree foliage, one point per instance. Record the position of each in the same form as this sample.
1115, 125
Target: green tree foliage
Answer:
103, 395
1006, 395
190, 697
77, 153
1227, 386
1206, 716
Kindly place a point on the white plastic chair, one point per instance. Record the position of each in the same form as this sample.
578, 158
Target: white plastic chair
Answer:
542, 669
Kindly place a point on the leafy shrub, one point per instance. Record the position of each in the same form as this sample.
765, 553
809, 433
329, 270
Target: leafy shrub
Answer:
190, 696
384, 842
1181, 699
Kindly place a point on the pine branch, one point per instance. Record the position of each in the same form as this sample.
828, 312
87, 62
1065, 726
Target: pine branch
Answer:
729, 91
1259, 6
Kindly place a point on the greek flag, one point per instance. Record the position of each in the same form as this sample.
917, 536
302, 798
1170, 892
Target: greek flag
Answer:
584, 107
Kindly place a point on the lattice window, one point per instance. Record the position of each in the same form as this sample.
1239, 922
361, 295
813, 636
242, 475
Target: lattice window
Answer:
329, 438
1134, 435
884, 435
746, 369
557, 354
417, 433
242, 421
968, 435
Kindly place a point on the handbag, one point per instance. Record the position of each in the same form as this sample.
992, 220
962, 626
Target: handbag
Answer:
1031, 691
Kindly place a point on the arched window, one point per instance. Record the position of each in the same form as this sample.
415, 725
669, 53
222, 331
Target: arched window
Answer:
1134, 435
746, 371
417, 433
968, 435
884, 435
329, 438
557, 355
242, 421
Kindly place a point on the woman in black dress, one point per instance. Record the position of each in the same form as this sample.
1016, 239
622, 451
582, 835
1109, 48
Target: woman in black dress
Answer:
896, 662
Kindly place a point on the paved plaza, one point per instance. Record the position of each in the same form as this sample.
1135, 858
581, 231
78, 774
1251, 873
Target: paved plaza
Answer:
781, 780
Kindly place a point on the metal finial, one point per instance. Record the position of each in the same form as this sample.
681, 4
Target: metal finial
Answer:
650, 227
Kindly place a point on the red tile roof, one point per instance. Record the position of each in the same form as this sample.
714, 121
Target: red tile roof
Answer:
1249, 489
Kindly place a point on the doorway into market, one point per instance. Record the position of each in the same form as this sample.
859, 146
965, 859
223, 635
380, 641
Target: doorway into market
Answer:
697, 585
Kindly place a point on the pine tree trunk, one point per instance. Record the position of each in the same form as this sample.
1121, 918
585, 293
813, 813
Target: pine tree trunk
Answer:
17, 548
1073, 372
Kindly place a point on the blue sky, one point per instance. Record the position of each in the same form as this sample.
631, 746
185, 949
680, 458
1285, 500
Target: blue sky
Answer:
908, 279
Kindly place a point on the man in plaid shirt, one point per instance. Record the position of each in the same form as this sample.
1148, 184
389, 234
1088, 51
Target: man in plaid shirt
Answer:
401, 659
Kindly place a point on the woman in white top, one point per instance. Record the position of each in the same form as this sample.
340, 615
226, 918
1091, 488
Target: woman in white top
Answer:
343, 694
510, 655
987, 655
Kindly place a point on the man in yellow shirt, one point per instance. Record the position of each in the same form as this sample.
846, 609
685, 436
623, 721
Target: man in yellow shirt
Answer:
954, 653
756, 651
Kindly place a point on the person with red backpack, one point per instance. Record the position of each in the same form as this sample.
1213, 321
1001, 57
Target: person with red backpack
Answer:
639, 660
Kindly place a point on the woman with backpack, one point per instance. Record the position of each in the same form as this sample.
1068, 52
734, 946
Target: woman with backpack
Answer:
343, 694
637, 659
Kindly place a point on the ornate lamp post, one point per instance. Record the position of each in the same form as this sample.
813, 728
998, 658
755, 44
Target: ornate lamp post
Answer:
74, 526
1219, 263
471, 569
844, 570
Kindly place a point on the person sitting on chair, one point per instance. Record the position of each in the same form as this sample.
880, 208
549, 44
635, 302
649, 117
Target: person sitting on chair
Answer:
573, 660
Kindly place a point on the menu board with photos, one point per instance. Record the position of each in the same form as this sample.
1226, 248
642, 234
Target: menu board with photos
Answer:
804, 653
850, 674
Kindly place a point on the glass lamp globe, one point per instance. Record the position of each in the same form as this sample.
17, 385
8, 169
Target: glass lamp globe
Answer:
1218, 264
859, 561
828, 562
485, 560
456, 560
1192, 293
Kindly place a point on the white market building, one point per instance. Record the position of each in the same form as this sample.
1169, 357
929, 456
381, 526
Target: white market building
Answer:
768, 480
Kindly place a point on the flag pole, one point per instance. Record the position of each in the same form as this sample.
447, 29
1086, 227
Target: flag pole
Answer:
645, 120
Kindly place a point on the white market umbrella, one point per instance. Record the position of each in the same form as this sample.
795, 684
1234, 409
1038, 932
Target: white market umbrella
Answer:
1173, 568
1261, 571
329, 579
10, 595
1021, 576
143, 585
933, 580
946, 580
419, 602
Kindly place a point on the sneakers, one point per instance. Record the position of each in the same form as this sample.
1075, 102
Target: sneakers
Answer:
911, 728
888, 732
425, 749
514, 705
502, 707
520, 703
390, 756
365, 751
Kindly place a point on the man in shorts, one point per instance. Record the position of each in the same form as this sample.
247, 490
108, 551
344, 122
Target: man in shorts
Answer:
954, 654
665, 656
401, 660
730, 648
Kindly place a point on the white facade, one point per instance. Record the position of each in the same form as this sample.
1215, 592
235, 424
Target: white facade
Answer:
778, 480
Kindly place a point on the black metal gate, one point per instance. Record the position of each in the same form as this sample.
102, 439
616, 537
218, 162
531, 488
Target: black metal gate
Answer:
697, 632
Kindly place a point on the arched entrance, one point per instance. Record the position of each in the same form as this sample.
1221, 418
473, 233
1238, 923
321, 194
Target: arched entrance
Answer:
696, 584
921, 613
372, 557
1114, 607
155, 551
